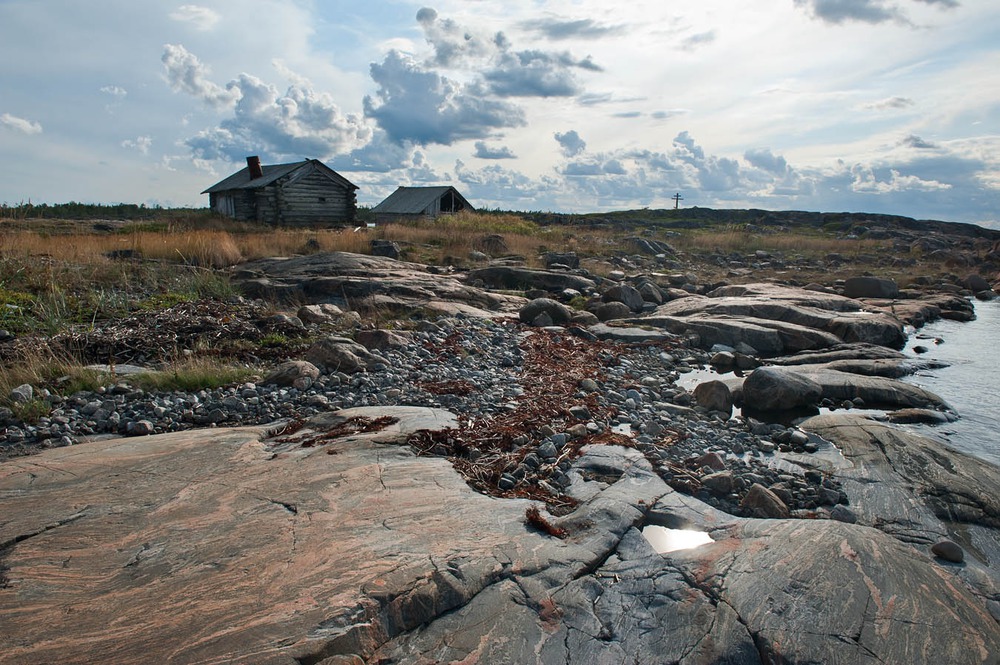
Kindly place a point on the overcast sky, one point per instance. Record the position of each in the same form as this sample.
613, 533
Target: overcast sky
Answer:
888, 106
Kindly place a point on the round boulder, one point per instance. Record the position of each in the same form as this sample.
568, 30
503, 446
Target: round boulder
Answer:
772, 389
626, 294
297, 373
714, 396
557, 313
613, 310
338, 354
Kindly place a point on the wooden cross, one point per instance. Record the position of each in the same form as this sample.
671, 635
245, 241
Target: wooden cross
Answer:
677, 200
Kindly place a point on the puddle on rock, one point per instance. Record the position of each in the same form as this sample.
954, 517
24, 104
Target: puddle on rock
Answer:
666, 540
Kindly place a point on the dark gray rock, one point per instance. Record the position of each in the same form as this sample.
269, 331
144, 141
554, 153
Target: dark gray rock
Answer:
870, 287
762, 502
568, 259
610, 311
714, 396
386, 248
949, 551
558, 313
625, 294
774, 389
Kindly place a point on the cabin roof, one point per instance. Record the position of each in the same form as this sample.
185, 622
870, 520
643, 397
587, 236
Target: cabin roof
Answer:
241, 179
414, 200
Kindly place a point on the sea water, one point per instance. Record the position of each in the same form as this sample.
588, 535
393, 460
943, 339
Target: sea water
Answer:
970, 383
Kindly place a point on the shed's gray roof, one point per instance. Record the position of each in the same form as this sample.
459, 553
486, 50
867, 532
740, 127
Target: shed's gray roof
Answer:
241, 179
414, 200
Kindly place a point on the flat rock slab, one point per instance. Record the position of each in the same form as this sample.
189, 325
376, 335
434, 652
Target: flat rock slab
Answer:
208, 546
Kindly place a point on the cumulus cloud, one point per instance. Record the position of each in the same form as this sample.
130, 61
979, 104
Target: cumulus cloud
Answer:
948, 4
202, 18
866, 181
586, 28
186, 73
453, 43
418, 105
537, 74
20, 124
763, 158
570, 143
484, 151
140, 143
505, 72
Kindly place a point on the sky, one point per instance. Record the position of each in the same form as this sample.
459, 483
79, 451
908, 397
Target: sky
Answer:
881, 106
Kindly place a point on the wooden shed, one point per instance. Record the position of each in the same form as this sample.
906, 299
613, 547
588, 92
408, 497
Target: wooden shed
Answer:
409, 203
301, 193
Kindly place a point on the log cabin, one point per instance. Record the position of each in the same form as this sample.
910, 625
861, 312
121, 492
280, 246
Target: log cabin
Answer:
306, 193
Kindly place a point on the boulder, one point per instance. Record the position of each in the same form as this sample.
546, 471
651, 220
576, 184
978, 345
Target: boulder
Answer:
568, 259
774, 389
870, 287
556, 312
612, 310
625, 294
976, 283
762, 502
386, 248
317, 314
714, 396
297, 373
381, 340
338, 354
651, 293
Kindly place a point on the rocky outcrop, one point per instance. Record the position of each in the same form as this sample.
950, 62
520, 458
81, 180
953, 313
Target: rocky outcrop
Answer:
329, 544
768, 304
512, 277
360, 282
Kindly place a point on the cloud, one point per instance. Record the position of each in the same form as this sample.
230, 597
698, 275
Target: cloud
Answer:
866, 181
140, 143
451, 42
421, 106
300, 122
484, 151
948, 4
838, 12
570, 143
537, 74
115, 91
763, 158
586, 28
185, 73
20, 124
504, 72
890, 103
202, 18
700, 39
914, 141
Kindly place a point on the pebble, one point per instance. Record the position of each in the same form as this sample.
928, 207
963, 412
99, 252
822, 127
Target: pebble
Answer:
635, 389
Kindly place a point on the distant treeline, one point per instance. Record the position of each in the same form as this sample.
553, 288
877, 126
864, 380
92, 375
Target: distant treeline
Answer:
74, 210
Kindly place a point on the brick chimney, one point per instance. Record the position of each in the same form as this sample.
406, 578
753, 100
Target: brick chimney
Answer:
253, 163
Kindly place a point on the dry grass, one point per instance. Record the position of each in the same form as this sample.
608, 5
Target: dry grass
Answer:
736, 240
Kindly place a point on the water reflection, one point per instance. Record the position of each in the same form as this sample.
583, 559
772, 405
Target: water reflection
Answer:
666, 540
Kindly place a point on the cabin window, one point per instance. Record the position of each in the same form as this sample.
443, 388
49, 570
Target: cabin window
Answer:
322, 199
